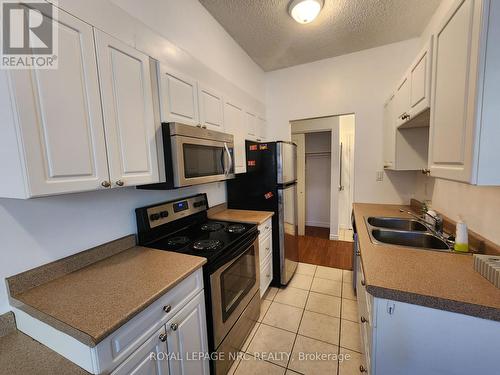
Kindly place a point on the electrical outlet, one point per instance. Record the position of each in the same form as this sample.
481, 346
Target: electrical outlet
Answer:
380, 175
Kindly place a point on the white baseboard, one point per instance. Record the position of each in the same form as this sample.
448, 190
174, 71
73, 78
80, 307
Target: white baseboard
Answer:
319, 224
348, 227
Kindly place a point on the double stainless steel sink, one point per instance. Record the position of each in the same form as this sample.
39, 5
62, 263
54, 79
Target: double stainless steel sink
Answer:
403, 232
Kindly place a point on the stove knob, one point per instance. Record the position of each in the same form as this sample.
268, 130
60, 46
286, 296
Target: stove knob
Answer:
154, 217
164, 213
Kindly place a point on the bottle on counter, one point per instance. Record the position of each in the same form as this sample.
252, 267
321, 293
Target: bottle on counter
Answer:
461, 236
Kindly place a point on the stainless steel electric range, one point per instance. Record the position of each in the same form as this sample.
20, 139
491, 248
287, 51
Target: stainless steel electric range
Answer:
231, 273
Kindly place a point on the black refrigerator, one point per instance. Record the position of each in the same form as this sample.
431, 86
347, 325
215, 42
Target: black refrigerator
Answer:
270, 184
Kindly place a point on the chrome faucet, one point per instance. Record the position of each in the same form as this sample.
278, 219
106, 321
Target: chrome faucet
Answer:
436, 229
438, 220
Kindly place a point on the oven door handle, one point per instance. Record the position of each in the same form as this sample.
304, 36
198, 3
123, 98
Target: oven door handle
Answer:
230, 258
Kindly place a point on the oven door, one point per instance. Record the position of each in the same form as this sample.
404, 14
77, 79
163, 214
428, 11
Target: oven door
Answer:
233, 285
199, 161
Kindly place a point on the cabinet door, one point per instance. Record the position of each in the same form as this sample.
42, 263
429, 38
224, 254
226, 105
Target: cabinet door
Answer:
179, 98
234, 120
250, 124
128, 112
420, 81
261, 129
402, 101
60, 119
149, 359
187, 336
389, 134
211, 109
452, 115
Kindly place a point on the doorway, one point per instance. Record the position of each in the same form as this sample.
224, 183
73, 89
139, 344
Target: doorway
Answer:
325, 189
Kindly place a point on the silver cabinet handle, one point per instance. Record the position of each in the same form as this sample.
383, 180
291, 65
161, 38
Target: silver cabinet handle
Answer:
105, 184
198, 125
204, 126
174, 326
364, 320
163, 337
363, 282
167, 308
362, 369
120, 183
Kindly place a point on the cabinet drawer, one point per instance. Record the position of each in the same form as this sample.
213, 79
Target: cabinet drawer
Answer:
265, 247
266, 274
265, 228
115, 348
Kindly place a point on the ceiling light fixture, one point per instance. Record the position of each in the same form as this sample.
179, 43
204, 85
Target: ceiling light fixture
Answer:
305, 11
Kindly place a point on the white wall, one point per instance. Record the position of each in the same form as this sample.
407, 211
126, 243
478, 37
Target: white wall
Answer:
330, 124
187, 24
357, 83
38, 231
346, 196
318, 174
479, 206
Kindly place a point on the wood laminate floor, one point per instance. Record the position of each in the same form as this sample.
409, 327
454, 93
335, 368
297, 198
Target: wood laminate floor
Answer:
316, 248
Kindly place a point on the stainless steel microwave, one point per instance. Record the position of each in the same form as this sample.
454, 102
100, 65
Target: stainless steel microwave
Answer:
193, 156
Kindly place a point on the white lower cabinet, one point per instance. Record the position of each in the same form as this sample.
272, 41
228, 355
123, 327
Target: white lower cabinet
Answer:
187, 339
402, 338
164, 338
177, 348
150, 359
265, 255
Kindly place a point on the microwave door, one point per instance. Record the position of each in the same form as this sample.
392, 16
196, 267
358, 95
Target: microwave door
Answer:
198, 161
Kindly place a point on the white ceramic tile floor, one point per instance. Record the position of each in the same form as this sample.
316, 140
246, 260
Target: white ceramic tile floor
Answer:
315, 313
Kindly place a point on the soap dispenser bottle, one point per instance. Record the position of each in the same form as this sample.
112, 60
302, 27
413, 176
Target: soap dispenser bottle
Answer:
461, 236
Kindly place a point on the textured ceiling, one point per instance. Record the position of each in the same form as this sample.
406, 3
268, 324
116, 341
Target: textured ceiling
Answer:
274, 40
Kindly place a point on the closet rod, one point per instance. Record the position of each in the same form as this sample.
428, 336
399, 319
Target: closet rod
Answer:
318, 153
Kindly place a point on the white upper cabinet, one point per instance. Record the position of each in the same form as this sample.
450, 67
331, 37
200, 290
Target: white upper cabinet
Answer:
389, 134
234, 120
402, 101
251, 124
261, 129
420, 82
179, 98
56, 117
211, 109
405, 149
128, 112
464, 129
413, 92
63, 133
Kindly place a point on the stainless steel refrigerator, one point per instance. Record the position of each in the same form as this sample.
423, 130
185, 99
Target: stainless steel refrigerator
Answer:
270, 184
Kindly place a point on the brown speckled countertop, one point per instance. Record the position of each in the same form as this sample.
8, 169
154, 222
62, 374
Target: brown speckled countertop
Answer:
21, 355
92, 302
445, 281
242, 216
